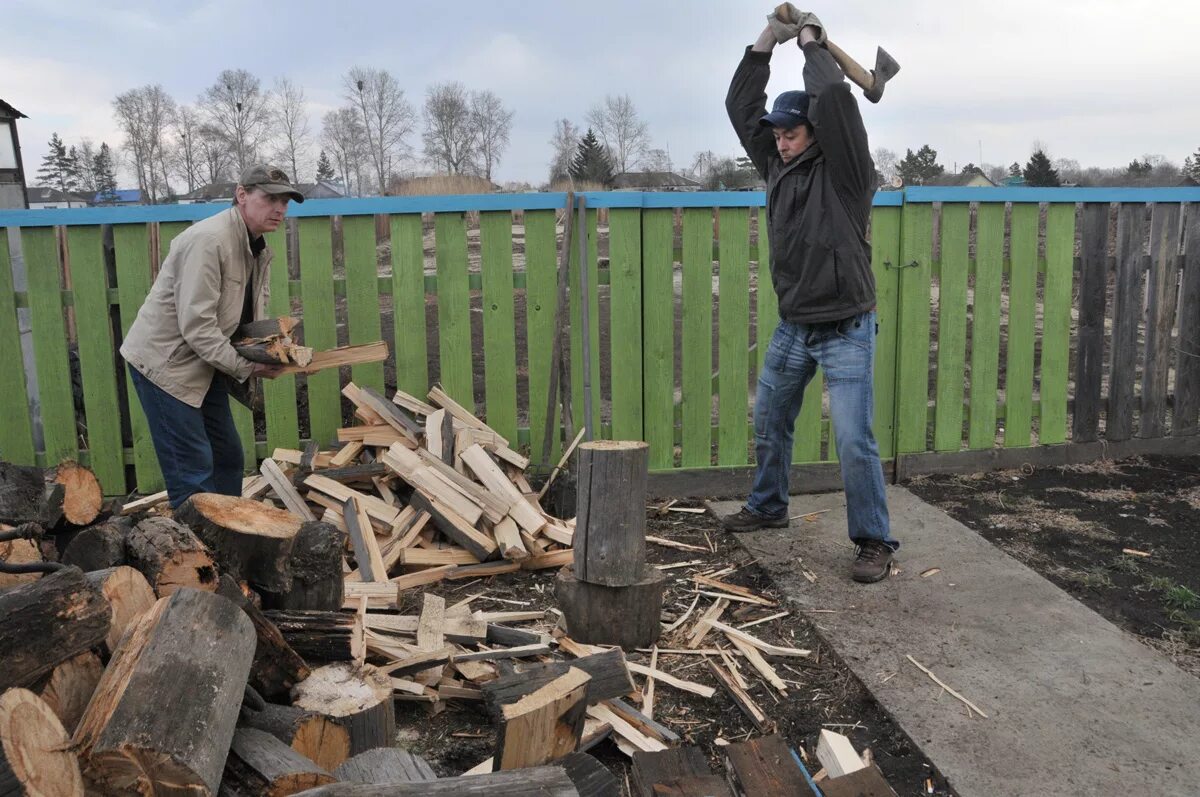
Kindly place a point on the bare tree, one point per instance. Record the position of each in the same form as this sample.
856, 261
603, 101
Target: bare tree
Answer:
624, 134
564, 143
238, 108
144, 115
702, 164
886, 163
290, 117
450, 134
386, 117
492, 123
214, 157
344, 136
85, 166
186, 159
657, 160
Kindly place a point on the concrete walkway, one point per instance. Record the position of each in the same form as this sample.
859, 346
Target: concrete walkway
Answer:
1075, 705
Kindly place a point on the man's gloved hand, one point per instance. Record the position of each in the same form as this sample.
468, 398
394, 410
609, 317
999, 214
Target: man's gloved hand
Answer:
786, 21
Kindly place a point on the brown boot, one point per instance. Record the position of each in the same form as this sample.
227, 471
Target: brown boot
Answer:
873, 562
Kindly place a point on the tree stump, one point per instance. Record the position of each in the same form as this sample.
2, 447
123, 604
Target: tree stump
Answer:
610, 528
35, 755
70, 686
599, 615
316, 563
170, 556
261, 765
249, 540
128, 594
47, 622
385, 765
98, 547
359, 699
313, 735
277, 667
163, 716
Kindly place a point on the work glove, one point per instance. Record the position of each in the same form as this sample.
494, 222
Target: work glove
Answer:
786, 21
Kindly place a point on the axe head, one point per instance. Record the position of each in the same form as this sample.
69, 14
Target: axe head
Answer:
885, 69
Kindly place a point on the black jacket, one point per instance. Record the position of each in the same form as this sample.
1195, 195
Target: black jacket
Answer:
819, 204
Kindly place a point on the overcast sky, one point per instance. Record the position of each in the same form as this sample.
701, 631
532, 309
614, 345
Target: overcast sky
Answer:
1100, 82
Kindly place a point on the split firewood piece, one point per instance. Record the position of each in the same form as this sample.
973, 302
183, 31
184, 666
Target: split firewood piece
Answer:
747, 595
364, 474
558, 533
358, 698
608, 673
346, 454
377, 508
307, 460
545, 725
519, 652
677, 771
20, 551
765, 765
640, 721
335, 358
271, 341
743, 700
98, 547
144, 503
47, 496
260, 764
249, 541
409, 466
424, 557
385, 765
128, 593
494, 506
760, 664
277, 666
70, 686
765, 647
492, 477
439, 436
837, 755
457, 527
126, 739
610, 535
35, 749
704, 623
366, 547
315, 736
412, 404
625, 730
392, 415
671, 680
440, 398
321, 636
482, 570
419, 579
170, 556
316, 567
515, 637
47, 622
284, 489
416, 661
548, 560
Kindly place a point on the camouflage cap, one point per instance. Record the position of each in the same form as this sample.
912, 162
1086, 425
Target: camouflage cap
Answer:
269, 178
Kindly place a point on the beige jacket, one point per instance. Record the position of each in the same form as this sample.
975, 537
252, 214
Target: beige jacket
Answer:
182, 331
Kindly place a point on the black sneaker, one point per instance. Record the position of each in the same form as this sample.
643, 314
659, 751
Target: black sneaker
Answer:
872, 563
745, 520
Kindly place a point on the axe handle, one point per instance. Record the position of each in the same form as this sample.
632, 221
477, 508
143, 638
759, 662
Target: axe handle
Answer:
864, 78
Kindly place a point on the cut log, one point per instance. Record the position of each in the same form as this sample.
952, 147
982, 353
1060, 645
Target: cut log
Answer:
70, 686
610, 530
23, 550
765, 766
577, 775
277, 666
626, 616
544, 725
609, 677
98, 547
170, 556
385, 765
259, 765
30, 494
162, 719
675, 772
129, 595
47, 622
319, 738
249, 541
82, 498
320, 636
316, 565
35, 755
359, 699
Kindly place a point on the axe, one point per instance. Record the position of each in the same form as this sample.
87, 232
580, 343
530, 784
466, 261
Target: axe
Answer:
872, 82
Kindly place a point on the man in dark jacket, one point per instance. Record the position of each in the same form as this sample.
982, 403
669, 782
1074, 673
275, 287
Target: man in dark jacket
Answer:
812, 150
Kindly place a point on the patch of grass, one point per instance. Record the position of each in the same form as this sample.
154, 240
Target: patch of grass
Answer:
1180, 598
1126, 564
1094, 578
1159, 583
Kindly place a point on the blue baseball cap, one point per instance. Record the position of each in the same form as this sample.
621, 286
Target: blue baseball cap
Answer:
790, 110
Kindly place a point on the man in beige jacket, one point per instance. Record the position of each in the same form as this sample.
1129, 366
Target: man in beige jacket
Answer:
180, 357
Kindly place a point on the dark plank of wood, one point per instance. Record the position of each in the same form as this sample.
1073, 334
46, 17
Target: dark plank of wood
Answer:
451, 529
753, 712
765, 766
358, 539
609, 678
1160, 317
867, 782
1187, 368
395, 416
351, 473
610, 532
642, 722
1127, 312
385, 765
514, 637
657, 769
1093, 279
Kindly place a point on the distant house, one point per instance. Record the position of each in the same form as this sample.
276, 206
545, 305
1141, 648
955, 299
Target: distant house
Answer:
12, 175
122, 196
322, 189
967, 180
43, 198
223, 192
653, 181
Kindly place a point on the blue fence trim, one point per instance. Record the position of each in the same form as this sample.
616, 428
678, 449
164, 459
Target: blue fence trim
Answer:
141, 214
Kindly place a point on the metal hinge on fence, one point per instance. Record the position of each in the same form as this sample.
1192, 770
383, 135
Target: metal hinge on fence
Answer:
912, 264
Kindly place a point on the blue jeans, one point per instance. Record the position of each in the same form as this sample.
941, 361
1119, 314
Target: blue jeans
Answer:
198, 449
845, 350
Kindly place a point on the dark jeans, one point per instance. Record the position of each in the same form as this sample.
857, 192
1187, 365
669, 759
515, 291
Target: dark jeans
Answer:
198, 448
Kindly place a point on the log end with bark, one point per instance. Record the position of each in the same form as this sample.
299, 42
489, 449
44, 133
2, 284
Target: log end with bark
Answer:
35, 756
318, 738
98, 547
170, 556
128, 593
82, 497
318, 582
358, 698
70, 686
22, 549
249, 540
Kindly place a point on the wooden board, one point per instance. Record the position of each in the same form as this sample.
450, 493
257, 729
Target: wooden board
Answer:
765, 766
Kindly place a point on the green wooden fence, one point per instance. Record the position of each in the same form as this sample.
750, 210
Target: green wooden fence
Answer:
1004, 315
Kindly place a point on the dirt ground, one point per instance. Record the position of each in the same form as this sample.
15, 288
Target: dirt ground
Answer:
1076, 525
822, 692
